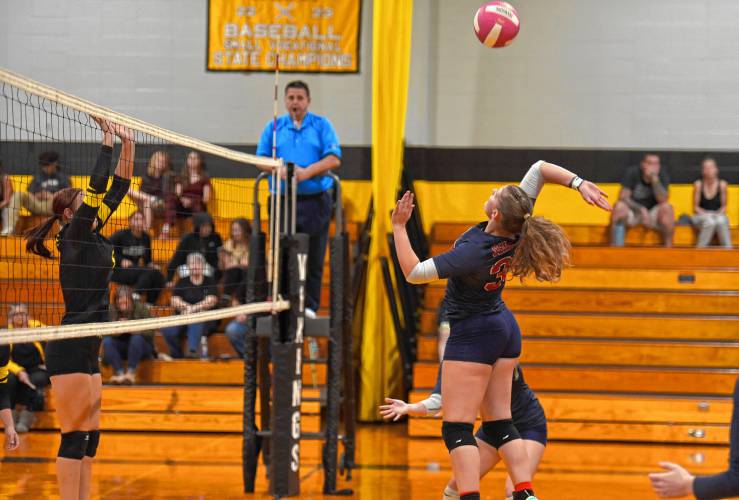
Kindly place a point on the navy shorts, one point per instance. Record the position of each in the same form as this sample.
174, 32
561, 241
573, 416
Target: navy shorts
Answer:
484, 338
73, 356
536, 433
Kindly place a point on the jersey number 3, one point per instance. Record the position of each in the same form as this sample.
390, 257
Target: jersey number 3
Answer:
500, 271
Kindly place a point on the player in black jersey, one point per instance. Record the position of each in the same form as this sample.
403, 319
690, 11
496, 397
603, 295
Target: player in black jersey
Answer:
526, 411
85, 267
6, 415
485, 342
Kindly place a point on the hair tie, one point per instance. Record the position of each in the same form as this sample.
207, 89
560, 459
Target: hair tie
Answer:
526, 216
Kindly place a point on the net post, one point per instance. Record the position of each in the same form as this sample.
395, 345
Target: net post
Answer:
287, 360
341, 318
335, 347
256, 291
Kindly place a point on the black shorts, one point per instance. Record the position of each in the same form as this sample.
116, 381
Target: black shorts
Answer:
73, 356
484, 338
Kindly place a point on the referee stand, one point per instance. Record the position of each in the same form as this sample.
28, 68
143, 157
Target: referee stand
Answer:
276, 341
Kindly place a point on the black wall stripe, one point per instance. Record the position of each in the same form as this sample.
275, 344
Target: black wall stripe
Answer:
423, 163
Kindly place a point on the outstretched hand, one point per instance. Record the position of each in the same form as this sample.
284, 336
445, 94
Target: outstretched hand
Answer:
403, 210
395, 409
594, 195
104, 124
676, 482
123, 132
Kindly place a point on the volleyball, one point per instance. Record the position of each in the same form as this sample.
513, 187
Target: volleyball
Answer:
496, 24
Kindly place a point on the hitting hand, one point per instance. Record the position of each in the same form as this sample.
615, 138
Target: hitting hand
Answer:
594, 195
403, 210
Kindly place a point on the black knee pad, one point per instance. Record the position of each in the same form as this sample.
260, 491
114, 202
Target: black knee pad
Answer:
457, 434
73, 445
499, 432
92, 444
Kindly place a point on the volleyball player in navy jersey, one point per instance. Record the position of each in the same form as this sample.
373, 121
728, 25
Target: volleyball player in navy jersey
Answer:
485, 342
85, 267
526, 411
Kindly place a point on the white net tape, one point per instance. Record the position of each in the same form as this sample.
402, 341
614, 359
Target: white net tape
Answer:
48, 333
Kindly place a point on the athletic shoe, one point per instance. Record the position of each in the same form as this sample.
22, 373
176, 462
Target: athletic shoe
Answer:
310, 313
116, 379
524, 495
25, 421
450, 494
129, 378
163, 356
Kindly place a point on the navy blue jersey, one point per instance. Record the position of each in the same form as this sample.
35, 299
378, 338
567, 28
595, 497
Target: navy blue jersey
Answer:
476, 270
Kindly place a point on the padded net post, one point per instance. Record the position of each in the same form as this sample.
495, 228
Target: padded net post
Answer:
256, 290
287, 362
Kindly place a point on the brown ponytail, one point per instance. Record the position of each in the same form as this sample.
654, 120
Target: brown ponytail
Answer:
36, 236
543, 248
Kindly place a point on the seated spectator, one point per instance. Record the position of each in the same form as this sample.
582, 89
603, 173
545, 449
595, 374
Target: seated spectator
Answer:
234, 258
203, 240
6, 194
132, 347
236, 331
157, 185
28, 377
134, 266
40, 193
710, 196
643, 201
192, 192
192, 294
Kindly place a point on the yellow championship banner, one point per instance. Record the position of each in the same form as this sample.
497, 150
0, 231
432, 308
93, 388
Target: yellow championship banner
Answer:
310, 35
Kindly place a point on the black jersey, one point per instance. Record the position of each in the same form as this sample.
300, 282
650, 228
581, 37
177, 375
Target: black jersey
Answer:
476, 269
86, 256
4, 362
29, 355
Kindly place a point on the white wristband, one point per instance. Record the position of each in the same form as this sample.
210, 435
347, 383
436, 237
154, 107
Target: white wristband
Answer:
576, 183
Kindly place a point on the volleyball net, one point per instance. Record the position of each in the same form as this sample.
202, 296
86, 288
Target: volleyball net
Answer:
181, 233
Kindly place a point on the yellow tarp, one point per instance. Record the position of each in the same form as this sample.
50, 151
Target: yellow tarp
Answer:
391, 53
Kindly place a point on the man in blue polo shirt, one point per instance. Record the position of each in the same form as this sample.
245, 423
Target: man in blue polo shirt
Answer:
310, 142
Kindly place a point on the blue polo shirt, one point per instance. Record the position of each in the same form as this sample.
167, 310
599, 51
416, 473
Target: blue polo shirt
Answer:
315, 140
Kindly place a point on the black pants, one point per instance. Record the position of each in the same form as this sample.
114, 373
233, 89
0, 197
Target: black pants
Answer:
234, 283
725, 484
144, 280
20, 393
313, 218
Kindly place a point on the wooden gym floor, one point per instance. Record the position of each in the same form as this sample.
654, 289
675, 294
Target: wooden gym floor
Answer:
169, 465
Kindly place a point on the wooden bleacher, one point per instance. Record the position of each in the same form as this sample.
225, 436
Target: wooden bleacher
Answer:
633, 344
176, 396
581, 235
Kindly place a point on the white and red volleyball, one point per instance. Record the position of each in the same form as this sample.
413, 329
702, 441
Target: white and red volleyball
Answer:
496, 24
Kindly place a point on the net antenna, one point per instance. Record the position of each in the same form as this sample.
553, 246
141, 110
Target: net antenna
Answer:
274, 219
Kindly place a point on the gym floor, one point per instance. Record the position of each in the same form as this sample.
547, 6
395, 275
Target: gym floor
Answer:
391, 465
